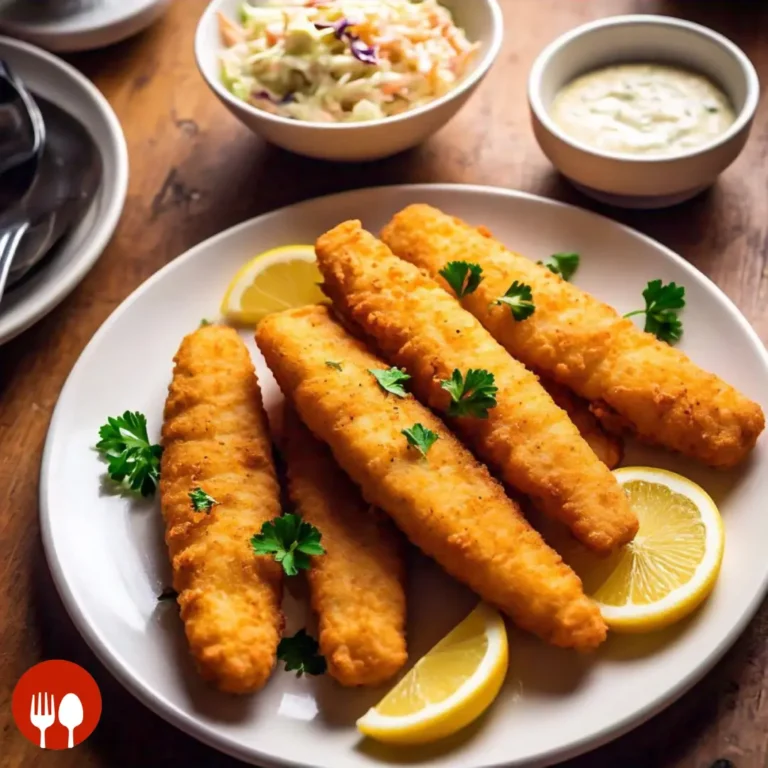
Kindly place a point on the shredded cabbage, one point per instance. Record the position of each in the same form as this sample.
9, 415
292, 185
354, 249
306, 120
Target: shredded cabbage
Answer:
343, 60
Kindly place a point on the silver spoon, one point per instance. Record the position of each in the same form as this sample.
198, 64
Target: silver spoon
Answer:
22, 131
68, 177
22, 137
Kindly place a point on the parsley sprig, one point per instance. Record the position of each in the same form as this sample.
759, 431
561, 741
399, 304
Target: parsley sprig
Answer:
420, 438
333, 364
519, 298
391, 380
563, 264
471, 395
301, 654
201, 501
131, 458
290, 540
462, 276
662, 305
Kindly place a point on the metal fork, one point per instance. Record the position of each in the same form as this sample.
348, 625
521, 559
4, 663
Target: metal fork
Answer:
43, 715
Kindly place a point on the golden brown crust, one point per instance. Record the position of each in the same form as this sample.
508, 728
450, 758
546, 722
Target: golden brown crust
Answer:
583, 343
447, 504
215, 437
357, 587
529, 440
607, 446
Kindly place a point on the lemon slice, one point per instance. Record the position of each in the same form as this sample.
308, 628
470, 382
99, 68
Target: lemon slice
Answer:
446, 689
673, 562
278, 279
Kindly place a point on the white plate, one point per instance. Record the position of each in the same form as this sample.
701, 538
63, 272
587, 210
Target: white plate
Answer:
108, 561
63, 85
78, 25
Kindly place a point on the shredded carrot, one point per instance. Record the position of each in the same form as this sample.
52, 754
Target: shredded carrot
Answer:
390, 89
365, 31
454, 42
231, 33
433, 76
460, 61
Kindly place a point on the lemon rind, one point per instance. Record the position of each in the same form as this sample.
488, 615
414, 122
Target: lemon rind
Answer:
244, 276
686, 598
374, 724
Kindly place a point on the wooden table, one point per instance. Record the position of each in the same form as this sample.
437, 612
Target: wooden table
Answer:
196, 171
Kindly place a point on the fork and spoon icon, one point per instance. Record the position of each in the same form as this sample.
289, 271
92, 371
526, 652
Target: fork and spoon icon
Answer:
43, 714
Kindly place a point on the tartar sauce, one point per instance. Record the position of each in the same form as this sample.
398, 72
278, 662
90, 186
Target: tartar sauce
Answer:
642, 109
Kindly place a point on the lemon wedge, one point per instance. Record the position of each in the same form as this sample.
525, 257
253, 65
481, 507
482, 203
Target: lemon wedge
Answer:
446, 689
671, 566
278, 279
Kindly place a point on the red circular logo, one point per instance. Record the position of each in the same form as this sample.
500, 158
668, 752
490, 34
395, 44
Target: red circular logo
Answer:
56, 704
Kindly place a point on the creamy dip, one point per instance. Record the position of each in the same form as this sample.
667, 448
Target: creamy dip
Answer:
642, 109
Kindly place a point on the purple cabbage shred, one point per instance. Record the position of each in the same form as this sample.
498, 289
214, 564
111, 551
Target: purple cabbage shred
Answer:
359, 49
287, 99
363, 52
339, 28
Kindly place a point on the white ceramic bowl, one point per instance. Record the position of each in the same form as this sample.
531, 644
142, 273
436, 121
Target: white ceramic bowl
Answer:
632, 181
481, 19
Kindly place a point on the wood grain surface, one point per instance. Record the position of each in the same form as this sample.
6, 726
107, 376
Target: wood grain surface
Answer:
196, 171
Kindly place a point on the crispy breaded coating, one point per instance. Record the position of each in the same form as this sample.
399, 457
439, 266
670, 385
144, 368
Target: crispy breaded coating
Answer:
531, 442
357, 587
447, 504
631, 377
215, 437
608, 447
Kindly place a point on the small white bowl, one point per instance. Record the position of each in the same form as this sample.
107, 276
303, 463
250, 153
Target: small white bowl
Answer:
634, 181
350, 142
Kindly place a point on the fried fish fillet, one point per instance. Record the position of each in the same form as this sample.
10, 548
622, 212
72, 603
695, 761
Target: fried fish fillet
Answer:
608, 447
356, 587
447, 504
531, 442
629, 376
215, 438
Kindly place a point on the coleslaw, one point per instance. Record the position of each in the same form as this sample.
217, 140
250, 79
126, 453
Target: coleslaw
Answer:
343, 60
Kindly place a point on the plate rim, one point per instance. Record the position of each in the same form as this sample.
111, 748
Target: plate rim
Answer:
40, 303
73, 34
207, 734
